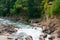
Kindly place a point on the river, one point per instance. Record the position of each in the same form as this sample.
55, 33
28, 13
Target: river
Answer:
35, 32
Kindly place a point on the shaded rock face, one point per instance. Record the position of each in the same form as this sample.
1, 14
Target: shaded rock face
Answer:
29, 37
7, 28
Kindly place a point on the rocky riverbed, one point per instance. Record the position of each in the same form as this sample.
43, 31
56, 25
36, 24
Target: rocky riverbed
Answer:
10, 30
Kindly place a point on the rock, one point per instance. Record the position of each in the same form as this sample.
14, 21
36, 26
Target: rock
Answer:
58, 34
41, 37
34, 24
51, 38
45, 35
29, 37
7, 28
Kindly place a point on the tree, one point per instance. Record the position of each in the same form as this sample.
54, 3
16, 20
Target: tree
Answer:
34, 9
5, 7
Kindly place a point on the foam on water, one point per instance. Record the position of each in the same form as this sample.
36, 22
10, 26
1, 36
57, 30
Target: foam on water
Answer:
34, 33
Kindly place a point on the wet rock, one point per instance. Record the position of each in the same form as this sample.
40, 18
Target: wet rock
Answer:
50, 38
41, 37
29, 37
45, 35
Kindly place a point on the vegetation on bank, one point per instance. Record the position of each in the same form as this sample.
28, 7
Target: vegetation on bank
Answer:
29, 9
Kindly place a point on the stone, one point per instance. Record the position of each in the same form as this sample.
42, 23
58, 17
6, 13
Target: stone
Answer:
41, 37
29, 37
7, 28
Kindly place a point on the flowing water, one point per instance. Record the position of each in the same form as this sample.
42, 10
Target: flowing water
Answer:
25, 29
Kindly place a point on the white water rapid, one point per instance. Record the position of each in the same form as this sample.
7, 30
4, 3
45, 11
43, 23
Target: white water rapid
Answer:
25, 30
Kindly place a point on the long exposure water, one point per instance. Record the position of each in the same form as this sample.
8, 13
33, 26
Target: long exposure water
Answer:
25, 29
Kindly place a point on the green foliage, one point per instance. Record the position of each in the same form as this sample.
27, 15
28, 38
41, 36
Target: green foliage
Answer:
28, 8
34, 8
56, 7
49, 11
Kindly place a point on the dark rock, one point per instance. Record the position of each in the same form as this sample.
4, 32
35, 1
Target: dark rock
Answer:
50, 39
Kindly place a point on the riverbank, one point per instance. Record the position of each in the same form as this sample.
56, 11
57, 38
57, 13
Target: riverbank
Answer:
53, 23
